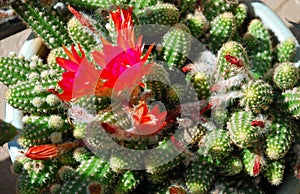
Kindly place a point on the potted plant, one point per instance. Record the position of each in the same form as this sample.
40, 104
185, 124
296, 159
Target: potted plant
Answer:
156, 97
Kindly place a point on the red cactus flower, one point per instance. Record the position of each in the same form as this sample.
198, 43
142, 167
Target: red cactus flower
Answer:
147, 122
81, 77
122, 18
42, 152
49, 151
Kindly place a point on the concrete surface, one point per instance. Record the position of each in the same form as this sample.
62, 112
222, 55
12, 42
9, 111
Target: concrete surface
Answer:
289, 9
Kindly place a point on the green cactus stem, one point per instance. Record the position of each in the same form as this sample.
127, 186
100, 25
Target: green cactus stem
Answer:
199, 176
236, 50
274, 172
212, 8
231, 167
286, 75
66, 173
258, 43
37, 177
161, 13
257, 95
34, 97
196, 23
161, 161
222, 29
15, 69
240, 14
252, 162
217, 144
96, 4
38, 129
278, 139
141, 4
46, 23
89, 171
286, 50
290, 100
242, 133
176, 46
7, 132
200, 81
81, 34
128, 181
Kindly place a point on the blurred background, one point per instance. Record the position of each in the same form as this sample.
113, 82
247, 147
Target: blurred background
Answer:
13, 34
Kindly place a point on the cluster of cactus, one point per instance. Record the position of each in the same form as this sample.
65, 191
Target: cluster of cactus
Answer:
243, 105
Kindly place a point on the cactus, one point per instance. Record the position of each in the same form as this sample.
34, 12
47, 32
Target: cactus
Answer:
176, 46
240, 14
38, 129
66, 173
96, 4
278, 140
217, 144
234, 49
212, 8
286, 50
196, 23
232, 167
128, 182
252, 162
242, 133
161, 13
274, 172
16, 69
200, 81
258, 42
199, 176
286, 75
34, 97
257, 95
35, 16
226, 22
290, 102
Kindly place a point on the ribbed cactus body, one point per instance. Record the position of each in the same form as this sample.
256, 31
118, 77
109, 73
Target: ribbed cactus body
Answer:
140, 4
51, 59
278, 140
7, 132
94, 169
286, 50
196, 23
251, 160
175, 94
199, 176
193, 135
286, 75
66, 173
217, 144
16, 69
274, 172
257, 95
240, 14
213, 8
96, 4
128, 181
258, 42
231, 167
38, 129
176, 46
93, 104
81, 34
157, 82
234, 49
222, 29
166, 157
81, 154
291, 101
37, 177
161, 13
242, 133
34, 97
53, 32
201, 83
